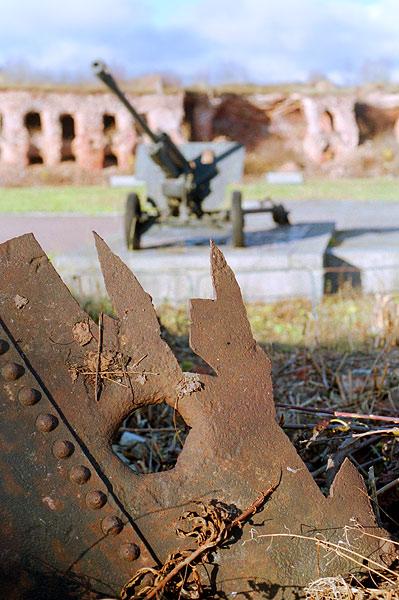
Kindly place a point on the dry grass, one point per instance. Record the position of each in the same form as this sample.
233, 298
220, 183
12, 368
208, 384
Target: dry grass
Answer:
344, 321
338, 588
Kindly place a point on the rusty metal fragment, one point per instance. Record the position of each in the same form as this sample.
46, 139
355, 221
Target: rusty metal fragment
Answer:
74, 517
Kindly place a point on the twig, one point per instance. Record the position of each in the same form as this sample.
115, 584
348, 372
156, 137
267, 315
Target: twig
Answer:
392, 431
190, 558
338, 379
98, 366
285, 365
330, 426
336, 460
336, 413
139, 361
175, 424
114, 381
252, 509
339, 550
321, 371
373, 490
154, 443
128, 380
341, 364
382, 379
146, 430
388, 486
128, 373
372, 368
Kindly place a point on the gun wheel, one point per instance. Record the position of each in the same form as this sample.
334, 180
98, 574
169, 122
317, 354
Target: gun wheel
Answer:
132, 222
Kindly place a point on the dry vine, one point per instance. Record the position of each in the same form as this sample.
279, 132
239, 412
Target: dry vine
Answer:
209, 527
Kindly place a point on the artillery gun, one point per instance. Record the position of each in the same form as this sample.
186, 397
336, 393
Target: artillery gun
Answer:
184, 184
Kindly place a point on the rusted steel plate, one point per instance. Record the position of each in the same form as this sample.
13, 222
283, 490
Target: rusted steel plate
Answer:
77, 516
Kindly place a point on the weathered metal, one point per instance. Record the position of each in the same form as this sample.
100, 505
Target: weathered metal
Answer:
75, 518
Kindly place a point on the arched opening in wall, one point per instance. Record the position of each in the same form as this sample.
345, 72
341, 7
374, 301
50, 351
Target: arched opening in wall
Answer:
327, 121
373, 121
109, 124
33, 155
67, 136
151, 439
33, 122
110, 159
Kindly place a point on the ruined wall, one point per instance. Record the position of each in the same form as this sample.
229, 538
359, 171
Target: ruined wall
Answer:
93, 130
332, 130
318, 127
377, 112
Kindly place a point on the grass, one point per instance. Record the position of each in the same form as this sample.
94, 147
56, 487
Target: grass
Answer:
346, 321
343, 322
102, 199
76, 199
365, 189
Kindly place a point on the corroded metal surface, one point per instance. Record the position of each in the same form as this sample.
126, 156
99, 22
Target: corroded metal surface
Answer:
75, 516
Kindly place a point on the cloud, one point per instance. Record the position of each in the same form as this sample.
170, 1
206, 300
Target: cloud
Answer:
286, 39
264, 41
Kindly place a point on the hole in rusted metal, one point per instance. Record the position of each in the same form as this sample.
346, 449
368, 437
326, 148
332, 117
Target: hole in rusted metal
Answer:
151, 439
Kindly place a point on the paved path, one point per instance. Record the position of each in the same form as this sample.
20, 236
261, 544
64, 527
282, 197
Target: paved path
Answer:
59, 234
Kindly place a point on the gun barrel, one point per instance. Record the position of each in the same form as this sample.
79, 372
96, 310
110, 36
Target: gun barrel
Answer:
100, 70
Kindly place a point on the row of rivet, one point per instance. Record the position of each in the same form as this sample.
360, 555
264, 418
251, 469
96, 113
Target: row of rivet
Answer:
63, 449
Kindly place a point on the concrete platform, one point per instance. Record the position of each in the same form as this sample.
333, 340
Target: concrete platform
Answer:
277, 263
367, 258
174, 266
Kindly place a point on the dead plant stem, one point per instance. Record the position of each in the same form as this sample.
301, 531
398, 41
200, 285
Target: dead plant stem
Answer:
336, 413
252, 509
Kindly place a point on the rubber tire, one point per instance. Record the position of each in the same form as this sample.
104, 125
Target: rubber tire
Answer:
237, 220
132, 222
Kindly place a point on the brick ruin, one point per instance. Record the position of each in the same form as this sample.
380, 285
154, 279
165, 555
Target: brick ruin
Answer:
94, 131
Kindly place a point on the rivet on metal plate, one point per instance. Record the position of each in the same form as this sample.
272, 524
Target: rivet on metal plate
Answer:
80, 474
46, 422
96, 499
129, 551
111, 525
29, 396
4, 346
12, 371
63, 449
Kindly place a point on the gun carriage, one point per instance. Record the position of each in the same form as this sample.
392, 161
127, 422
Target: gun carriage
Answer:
184, 184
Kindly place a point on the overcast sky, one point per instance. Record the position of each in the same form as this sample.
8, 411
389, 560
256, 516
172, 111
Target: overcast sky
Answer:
262, 41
